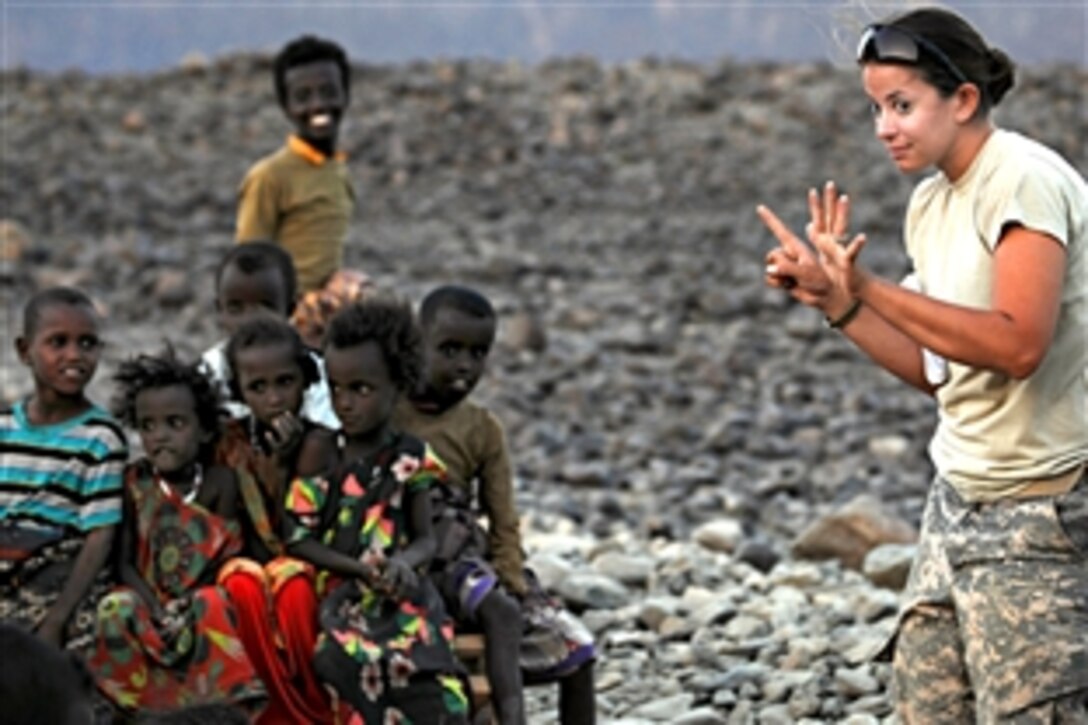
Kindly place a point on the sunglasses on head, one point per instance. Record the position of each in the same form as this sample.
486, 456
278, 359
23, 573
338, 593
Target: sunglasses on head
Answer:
887, 42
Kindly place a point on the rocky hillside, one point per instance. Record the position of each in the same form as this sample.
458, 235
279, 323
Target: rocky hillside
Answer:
675, 425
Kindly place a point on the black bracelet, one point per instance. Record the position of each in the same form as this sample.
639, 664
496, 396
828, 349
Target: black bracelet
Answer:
844, 319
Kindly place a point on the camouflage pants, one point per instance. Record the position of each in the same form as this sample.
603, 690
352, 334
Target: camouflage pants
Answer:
994, 626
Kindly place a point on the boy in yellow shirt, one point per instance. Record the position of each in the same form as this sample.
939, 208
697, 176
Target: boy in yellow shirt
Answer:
301, 196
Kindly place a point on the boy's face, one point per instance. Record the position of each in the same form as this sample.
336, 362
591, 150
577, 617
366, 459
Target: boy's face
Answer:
455, 350
63, 349
169, 427
363, 393
242, 295
315, 101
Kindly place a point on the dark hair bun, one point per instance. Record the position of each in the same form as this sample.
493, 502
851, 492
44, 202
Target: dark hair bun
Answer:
1001, 75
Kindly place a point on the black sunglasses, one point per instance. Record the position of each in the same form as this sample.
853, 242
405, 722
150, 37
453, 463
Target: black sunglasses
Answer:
887, 42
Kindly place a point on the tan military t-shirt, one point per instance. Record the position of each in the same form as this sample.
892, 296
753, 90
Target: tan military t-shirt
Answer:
996, 433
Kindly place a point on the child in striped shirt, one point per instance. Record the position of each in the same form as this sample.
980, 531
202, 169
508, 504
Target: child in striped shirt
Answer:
61, 458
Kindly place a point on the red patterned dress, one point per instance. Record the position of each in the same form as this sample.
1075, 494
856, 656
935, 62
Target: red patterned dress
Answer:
196, 657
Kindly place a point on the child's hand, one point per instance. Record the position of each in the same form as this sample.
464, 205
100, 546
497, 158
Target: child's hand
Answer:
399, 579
284, 433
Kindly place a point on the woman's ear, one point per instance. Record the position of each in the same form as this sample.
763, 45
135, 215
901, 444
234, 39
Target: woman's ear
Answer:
968, 98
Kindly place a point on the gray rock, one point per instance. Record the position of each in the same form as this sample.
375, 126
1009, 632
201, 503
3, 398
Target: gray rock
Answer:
888, 565
584, 590
719, 535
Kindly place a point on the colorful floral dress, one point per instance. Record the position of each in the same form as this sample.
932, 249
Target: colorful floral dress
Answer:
391, 660
197, 656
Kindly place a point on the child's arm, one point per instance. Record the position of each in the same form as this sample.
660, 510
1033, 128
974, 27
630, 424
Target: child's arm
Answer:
423, 544
91, 558
99, 520
317, 454
324, 557
497, 498
223, 487
399, 573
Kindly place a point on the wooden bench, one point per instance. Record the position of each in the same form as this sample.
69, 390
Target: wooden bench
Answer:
469, 648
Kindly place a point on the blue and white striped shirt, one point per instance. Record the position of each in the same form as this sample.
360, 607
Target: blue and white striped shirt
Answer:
61, 476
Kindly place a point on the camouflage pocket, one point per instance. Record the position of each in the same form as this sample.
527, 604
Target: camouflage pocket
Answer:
1071, 510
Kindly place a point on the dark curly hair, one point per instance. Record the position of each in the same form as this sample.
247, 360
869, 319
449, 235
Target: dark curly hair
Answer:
987, 67
254, 256
454, 297
149, 372
389, 323
267, 330
308, 49
50, 297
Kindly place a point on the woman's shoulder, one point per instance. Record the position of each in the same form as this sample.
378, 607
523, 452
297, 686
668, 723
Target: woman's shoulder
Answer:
1011, 157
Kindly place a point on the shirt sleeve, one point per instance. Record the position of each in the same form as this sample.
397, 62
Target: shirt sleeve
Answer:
258, 207
419, 473
307, 498
497, 499
1032, 197
102, 484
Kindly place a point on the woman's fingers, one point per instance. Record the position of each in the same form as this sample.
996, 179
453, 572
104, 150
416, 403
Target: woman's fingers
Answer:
854, 248
842, 216
793, 246
830, 207
815, 212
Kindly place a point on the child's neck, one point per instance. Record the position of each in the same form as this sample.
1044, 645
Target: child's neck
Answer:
185, 480
50, 409
367, 444
325, 146
428, 403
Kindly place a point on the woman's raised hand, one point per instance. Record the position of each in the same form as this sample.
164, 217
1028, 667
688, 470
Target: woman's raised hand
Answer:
819, 275
793, 266
829, 214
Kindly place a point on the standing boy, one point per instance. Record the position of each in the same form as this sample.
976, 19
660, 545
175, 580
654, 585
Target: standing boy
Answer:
301, 196
483, 581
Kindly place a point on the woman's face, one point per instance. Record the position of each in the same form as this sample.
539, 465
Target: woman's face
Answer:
915, 123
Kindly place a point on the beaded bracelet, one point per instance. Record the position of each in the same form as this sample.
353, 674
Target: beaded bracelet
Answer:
844, 319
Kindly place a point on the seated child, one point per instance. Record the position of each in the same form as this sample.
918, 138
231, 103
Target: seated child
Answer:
167, 637
61, 458
272, 593
252, 280
41, 684
385, 643
301, 196
482, 576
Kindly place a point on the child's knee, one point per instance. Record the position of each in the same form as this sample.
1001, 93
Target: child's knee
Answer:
499, 609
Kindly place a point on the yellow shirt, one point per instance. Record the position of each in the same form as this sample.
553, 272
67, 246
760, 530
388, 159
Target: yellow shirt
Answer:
303, 200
